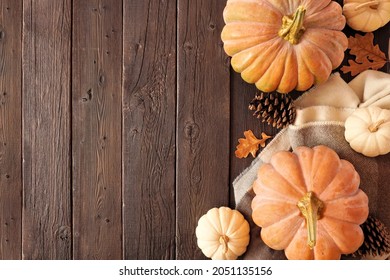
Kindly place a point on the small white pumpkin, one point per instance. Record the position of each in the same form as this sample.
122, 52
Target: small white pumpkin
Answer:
366, 15
223, 234
367, 130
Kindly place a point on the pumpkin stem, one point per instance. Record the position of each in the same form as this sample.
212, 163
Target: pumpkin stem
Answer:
372, 4
292, 26
375, 126
223, 240
311, 207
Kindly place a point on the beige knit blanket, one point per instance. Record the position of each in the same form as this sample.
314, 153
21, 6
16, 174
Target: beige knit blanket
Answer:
321, 114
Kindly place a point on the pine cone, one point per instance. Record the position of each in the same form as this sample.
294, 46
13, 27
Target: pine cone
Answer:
273, 108
376, 240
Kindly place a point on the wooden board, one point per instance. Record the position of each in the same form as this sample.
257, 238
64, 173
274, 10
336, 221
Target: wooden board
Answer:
46, 130
10, 129
203, 119
242, 119
96, 129
149, 88
119, 121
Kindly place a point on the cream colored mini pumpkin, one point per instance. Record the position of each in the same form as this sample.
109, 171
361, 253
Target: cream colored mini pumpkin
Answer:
366, 15
367, 130
223, 234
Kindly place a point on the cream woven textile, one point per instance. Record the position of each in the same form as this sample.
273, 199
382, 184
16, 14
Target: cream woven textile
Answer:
321, 113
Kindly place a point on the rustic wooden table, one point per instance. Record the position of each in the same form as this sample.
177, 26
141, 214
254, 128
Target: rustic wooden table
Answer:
118, 126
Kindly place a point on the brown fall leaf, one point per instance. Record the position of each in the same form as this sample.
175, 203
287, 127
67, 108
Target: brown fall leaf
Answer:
367, 55
250, 144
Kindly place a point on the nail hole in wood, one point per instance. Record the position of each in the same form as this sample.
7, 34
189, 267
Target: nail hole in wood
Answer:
188, 46
191, 130
88, 97
64, 233
101, 80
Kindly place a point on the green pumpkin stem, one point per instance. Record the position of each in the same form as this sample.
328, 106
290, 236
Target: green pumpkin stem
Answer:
311, 207
292, 26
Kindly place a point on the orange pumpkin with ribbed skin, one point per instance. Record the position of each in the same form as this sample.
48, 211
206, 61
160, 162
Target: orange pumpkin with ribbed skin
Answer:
284, 45
308, 203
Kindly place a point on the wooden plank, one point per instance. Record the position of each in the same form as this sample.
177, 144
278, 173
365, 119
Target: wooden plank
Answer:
46, 129
242, 119
10, 129
203, 119
96, 129
149, 88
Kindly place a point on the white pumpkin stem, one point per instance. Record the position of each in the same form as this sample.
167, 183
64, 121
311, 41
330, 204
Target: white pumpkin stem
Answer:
375, 126
223, 240
292, 27
372, 4
311, 207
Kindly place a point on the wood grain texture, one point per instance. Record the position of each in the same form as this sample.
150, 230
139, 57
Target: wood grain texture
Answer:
203, 119
46, 129
10, 129
242, 119
119, 120
96, 129
149, 89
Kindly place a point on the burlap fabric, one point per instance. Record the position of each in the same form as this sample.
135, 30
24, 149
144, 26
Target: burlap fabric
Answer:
321, 114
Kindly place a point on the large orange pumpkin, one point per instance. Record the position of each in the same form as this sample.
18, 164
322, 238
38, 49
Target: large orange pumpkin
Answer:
284, 45
308, 203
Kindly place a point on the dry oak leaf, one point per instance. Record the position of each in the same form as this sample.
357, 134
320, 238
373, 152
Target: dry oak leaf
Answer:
367, 55
250, 144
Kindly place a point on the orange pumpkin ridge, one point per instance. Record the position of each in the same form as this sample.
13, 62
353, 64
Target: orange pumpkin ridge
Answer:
284, 45
308, 203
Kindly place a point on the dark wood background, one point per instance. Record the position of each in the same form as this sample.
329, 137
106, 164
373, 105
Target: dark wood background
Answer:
118, 125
